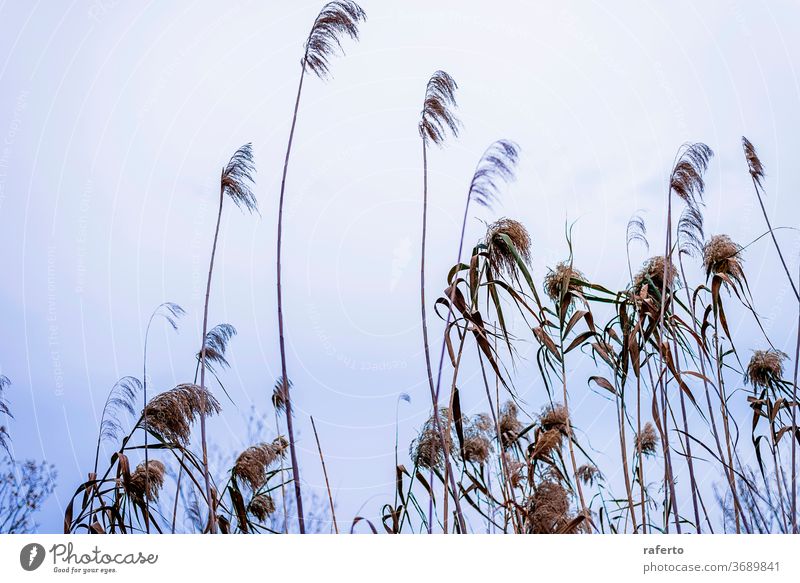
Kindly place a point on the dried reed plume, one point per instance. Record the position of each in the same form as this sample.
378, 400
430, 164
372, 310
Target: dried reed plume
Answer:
216, 344
335, 20
426, 450
514, 469
146, 482
496, 165
546, 443
690, 231
651, 276
477, 439
563, 282
121, 399
548, 508
437, 115
261, 506
172, 413
765, 368
722, 256
646, 440
686, 179
754, 164
253, 463
589, 474
237, 178
280, 394
506, 239
555, 417
508, 424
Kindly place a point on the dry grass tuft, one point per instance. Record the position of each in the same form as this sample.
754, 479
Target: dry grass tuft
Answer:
548, 508
147, 480
501, 255
721, 255
765, 368
172, 413
754, 164
555, 417
427, 450
508, 423
335, 20
262, 506
651, 276
253, 463
478, 439
546, 443
563, 282
647, 439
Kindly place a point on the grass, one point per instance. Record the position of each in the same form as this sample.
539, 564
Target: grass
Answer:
660, 350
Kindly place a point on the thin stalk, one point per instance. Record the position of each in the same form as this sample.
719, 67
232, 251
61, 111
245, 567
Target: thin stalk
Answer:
794, 426
325, 473
448, 470
284, 376
212, 517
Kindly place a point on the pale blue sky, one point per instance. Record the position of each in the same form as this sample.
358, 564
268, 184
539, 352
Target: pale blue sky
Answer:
115, 118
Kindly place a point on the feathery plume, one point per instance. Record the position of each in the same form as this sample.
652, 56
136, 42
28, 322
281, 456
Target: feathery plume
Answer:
261, 506
496, 165
765, 368
216, 344
501, 254
171, 312
563, 283
335, 20
753, 161
146, 481
686, 179
253, 463
555, 417
237, 178
477, 439
509, 425
636, 231
280, 393
437, 115
690, 231
652, 275
647, 440
426, 450
721, 255
548, 508
172, 413
121, 399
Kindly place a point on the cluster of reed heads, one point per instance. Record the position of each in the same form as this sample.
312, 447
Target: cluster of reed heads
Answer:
661, 351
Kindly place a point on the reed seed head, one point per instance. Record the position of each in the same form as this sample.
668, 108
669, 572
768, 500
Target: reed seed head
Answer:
509, 425
335, 21
252, 464
555, 417
147, 480
721, 255
172, 413
765, 368
647, 439
652, 276
503, 239
548, 508
563, 282
261, 506
426, 449
437, 112
477, 439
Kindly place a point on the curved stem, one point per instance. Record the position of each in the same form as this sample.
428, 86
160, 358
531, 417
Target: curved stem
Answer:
284, 376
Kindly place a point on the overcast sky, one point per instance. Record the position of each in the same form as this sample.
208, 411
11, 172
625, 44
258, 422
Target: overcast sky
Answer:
116, 117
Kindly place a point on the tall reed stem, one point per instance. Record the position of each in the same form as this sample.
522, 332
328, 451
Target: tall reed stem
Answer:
284, 376
212, 513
